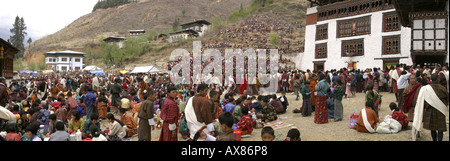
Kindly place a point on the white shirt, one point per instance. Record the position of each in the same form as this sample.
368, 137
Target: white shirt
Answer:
402, 82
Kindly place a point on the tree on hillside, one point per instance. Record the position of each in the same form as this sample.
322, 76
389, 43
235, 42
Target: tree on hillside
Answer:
18, 35
29, 41
175, 24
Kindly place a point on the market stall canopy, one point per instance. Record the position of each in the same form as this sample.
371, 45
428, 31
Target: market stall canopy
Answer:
25, 71
93, 68
123, 71
47, 71
100, 73
146, 69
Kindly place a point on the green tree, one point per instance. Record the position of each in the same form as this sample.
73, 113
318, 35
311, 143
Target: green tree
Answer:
17, 65
31, 66
175, 24
29, 41
18, 35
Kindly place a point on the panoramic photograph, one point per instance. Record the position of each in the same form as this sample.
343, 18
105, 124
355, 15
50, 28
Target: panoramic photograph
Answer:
248, 71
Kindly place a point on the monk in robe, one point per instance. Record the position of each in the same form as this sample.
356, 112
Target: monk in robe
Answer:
243, 86
312, 88
129, 122
410, 93
198, 112
169, 114
145, 115
54, 91
142, 87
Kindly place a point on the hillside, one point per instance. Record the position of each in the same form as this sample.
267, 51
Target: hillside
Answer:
286, 18
147, 14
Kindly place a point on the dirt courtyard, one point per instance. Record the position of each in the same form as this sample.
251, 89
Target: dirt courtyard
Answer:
331, 131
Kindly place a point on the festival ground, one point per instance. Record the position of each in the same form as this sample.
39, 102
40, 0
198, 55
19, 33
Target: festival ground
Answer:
331, 131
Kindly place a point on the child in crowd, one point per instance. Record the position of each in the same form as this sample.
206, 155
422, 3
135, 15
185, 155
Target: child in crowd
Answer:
399, 115
267, 134
237, 114
226, 125
229, 107
284, 100
245, 125
293, 135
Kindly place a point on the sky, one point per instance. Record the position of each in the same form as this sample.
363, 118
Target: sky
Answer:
42, 17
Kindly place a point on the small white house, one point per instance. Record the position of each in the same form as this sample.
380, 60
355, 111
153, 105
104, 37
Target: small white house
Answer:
183, 34
64, 60
200, 26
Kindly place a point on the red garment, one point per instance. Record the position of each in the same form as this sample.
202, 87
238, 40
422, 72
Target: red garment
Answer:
400, 117
245, 125
410, 97
321, 112
243, 86
170, 114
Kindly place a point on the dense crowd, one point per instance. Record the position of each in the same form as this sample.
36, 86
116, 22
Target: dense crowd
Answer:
71, 106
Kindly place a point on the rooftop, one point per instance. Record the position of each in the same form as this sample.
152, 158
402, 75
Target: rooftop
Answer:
67, 52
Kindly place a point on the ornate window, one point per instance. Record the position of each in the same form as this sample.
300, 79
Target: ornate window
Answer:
391, 22
353, 47
322, 32
391, 44
321, 50
353, 27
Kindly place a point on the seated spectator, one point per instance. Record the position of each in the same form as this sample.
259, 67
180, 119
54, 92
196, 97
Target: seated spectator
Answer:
60, 134
245, 125
367, 122
293, 135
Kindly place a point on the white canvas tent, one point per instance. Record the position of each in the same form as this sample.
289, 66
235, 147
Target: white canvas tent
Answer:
93, 68
146, 69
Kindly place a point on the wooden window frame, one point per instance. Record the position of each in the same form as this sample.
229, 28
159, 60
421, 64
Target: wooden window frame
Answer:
322, 32
352, 46
321, 51
353, 27
391, 22
391, 45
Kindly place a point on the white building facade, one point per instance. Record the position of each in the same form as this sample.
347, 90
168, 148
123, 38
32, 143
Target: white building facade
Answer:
64, 60
357, 34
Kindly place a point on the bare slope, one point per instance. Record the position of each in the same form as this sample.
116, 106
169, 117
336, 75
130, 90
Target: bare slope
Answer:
150, 14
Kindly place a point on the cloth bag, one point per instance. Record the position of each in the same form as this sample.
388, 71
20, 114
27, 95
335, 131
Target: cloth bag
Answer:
353, 118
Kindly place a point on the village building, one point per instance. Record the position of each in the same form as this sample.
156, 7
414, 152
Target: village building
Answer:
428, 21
136, 32
7, 52
355, 34
200, 26
64, 60
182, 34
115, 40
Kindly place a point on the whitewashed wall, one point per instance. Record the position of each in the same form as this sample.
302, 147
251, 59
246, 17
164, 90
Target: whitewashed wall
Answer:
372, 44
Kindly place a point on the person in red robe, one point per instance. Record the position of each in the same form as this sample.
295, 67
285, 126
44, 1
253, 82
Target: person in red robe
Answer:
170, 114
243, 86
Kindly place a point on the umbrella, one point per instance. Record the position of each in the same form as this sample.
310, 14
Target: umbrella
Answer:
6, 114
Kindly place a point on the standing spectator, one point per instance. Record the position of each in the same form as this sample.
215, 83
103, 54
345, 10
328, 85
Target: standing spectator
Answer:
170, 114
146, 116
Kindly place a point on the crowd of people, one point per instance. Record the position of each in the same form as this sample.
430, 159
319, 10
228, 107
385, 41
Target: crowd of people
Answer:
72, 106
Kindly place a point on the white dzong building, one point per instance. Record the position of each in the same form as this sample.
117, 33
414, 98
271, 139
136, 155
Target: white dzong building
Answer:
354, 33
